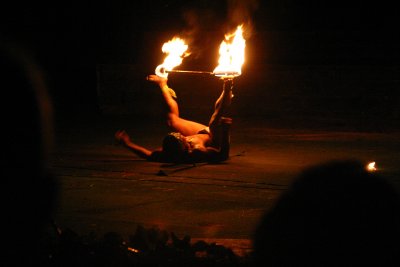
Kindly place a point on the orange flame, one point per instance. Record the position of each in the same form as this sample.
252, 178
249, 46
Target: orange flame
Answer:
371, 167
231, 53
176, 51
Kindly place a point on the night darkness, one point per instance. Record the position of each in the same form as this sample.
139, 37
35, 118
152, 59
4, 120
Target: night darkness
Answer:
69, 39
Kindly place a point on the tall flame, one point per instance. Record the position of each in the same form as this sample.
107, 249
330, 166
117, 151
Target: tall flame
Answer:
231, 53
176, 51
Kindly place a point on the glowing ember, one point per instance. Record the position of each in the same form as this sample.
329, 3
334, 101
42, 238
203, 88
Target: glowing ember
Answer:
231, 53
371, 167
176, 51
133, 250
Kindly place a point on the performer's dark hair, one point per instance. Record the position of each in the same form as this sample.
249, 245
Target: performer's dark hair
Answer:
175, 145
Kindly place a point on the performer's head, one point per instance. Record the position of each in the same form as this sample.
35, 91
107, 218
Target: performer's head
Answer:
175, 145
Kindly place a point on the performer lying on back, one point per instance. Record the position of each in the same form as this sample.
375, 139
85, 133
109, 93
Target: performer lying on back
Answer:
190, 141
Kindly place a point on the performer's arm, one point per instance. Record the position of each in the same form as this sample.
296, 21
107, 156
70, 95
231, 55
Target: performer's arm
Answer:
125, 140
138, 150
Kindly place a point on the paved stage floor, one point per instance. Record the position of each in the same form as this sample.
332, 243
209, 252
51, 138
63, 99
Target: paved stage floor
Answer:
104, 187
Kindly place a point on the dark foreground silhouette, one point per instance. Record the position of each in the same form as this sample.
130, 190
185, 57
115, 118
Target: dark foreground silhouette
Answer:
28, 193
334, 214
145, 247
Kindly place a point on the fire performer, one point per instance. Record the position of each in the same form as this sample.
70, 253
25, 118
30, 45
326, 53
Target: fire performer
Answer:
189, 141
192, 141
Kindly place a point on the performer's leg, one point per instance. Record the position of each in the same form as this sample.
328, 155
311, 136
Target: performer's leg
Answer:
221, 105
185, 127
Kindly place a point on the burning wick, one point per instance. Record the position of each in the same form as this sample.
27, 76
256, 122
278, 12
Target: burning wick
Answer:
226, 74
231, 53
176, 51
371, 167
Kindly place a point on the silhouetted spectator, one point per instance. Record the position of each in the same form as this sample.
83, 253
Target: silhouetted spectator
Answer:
335, 214
28, 190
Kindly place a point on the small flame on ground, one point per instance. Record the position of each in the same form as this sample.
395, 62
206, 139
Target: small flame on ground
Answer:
176, 51
134, 250
371, 167
231, 53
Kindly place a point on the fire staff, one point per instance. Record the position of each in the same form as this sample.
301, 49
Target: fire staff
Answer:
189, 141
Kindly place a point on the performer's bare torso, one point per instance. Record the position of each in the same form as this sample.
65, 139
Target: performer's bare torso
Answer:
199, 141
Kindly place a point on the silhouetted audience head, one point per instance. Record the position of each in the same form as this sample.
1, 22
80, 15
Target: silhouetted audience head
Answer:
335, 214
28, 190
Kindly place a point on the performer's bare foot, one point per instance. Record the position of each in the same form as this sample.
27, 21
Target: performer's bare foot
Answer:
157, 79
122, 137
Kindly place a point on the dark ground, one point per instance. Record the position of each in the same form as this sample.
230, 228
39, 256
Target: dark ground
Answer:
104, 188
